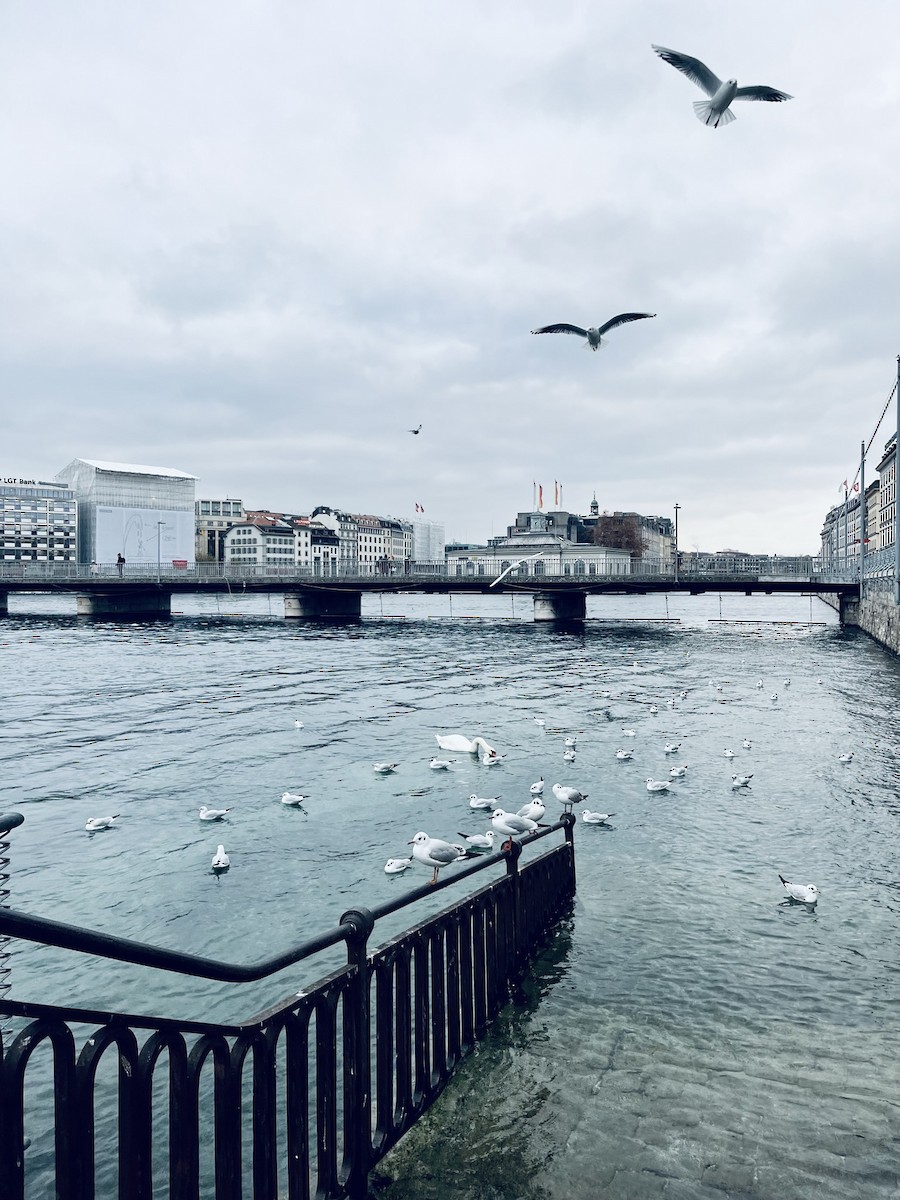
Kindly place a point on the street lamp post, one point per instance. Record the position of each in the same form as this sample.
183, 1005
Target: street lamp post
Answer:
677, 506
159, 525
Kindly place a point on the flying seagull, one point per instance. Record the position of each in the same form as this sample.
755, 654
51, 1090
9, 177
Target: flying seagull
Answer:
416, 431
716, 110
594, 336
518, 563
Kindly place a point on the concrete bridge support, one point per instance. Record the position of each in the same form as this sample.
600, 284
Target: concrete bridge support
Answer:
560, 606
323, 604
152, 602
4, 603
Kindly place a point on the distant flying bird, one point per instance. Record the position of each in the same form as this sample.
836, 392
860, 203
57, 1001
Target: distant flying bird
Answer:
594, 336
716, 111
512, 567
416, 431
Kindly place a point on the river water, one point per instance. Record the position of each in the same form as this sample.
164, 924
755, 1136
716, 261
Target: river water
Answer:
690, 1032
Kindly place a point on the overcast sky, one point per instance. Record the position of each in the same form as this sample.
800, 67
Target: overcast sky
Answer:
259, 240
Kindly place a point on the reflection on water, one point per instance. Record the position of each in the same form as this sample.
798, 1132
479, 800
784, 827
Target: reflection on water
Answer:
689, 1033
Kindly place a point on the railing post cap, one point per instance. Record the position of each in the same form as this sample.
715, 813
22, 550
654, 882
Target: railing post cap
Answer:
568, 819
361, 919
10, 821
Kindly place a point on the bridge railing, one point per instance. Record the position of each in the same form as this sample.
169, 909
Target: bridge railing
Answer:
300, 1100
476, 568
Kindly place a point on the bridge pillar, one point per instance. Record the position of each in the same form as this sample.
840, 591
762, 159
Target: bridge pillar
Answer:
849, 609
325, 604
560, 606
115, 602
4, 603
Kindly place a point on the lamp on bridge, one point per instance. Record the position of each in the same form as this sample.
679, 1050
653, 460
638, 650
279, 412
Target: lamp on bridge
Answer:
677, 506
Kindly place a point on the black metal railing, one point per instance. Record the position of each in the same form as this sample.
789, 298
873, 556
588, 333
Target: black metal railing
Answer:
300, 1100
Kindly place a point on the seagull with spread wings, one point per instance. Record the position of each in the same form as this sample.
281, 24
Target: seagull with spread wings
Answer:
716, 110
594, 337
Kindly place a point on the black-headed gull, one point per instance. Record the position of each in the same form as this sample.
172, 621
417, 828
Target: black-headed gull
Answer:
620, 753
716, 110
728, 753
298, 724
628, 733
511, 823
746, 743
212, 814
435, 853
94, 824
441, 764
595, 818
567, 796
220, 860
478, 841
741, 781
384, 768
671, 747
570, 740
394, 866
292, 799
537, 789
483, 801
677, 772
569, 755
534, 810
806, 893
595, 337
846, 757
657, 785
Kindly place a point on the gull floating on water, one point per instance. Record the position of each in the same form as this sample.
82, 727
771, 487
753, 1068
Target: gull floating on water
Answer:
774, 696
570, 740
746, 743
220, 860
539, 721
292, 798
569, 755
595, 337
741, 781
729, 753
657, 785
463, 745
435, 853
511, 823
483, 801
716, 110
441, 764
595, 818
759, 683
671, 747
491, 759
298, 724
479, 841
537, 789
212, 814
846, 757
677, 772
394, 866
384, 768
567, 796
786, 682
533, 810
620, 753
653, 708
94, 824
806, 893
627, 733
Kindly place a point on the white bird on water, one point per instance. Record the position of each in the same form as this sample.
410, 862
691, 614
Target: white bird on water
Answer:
95, 824
539, 721
657, 785
394, 866
677, 772
654, 708
212, 814
483, 801
479, 841
716, 110
570, 740
462, 745
741, 781
384, 768
569, 755
806, 893
220, 860
491, 760
729, 753
746, 743
671, 747
298, 724
435, 853
594, 337
292, 799
846, 757
441, 764
537, 789
595, 818
620, 753
628, 733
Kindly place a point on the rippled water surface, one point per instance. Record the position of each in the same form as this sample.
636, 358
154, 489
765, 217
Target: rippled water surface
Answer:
689, 1033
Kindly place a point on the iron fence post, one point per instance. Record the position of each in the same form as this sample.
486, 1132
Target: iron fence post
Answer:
568, 819
357, 1062
513, 852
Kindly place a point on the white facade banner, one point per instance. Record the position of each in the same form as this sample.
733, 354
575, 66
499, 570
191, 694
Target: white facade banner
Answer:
133, 532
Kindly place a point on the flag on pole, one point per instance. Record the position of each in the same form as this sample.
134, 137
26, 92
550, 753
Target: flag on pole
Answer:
842, 486
855, 487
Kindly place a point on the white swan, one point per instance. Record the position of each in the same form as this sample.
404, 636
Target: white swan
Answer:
463, 745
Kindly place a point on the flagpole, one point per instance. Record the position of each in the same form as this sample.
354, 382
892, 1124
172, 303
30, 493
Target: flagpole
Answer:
861, 523
846, 538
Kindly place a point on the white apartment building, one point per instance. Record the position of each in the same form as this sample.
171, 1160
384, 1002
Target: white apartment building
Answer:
250, 545
38, 521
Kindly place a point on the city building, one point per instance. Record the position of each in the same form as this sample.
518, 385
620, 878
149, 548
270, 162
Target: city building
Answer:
887, 494
343, 524
269, 540
145, 514
212, 520
427, 541
39, 521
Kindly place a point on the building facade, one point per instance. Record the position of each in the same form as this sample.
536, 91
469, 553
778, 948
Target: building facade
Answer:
212, 520
146, 514
39, 521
